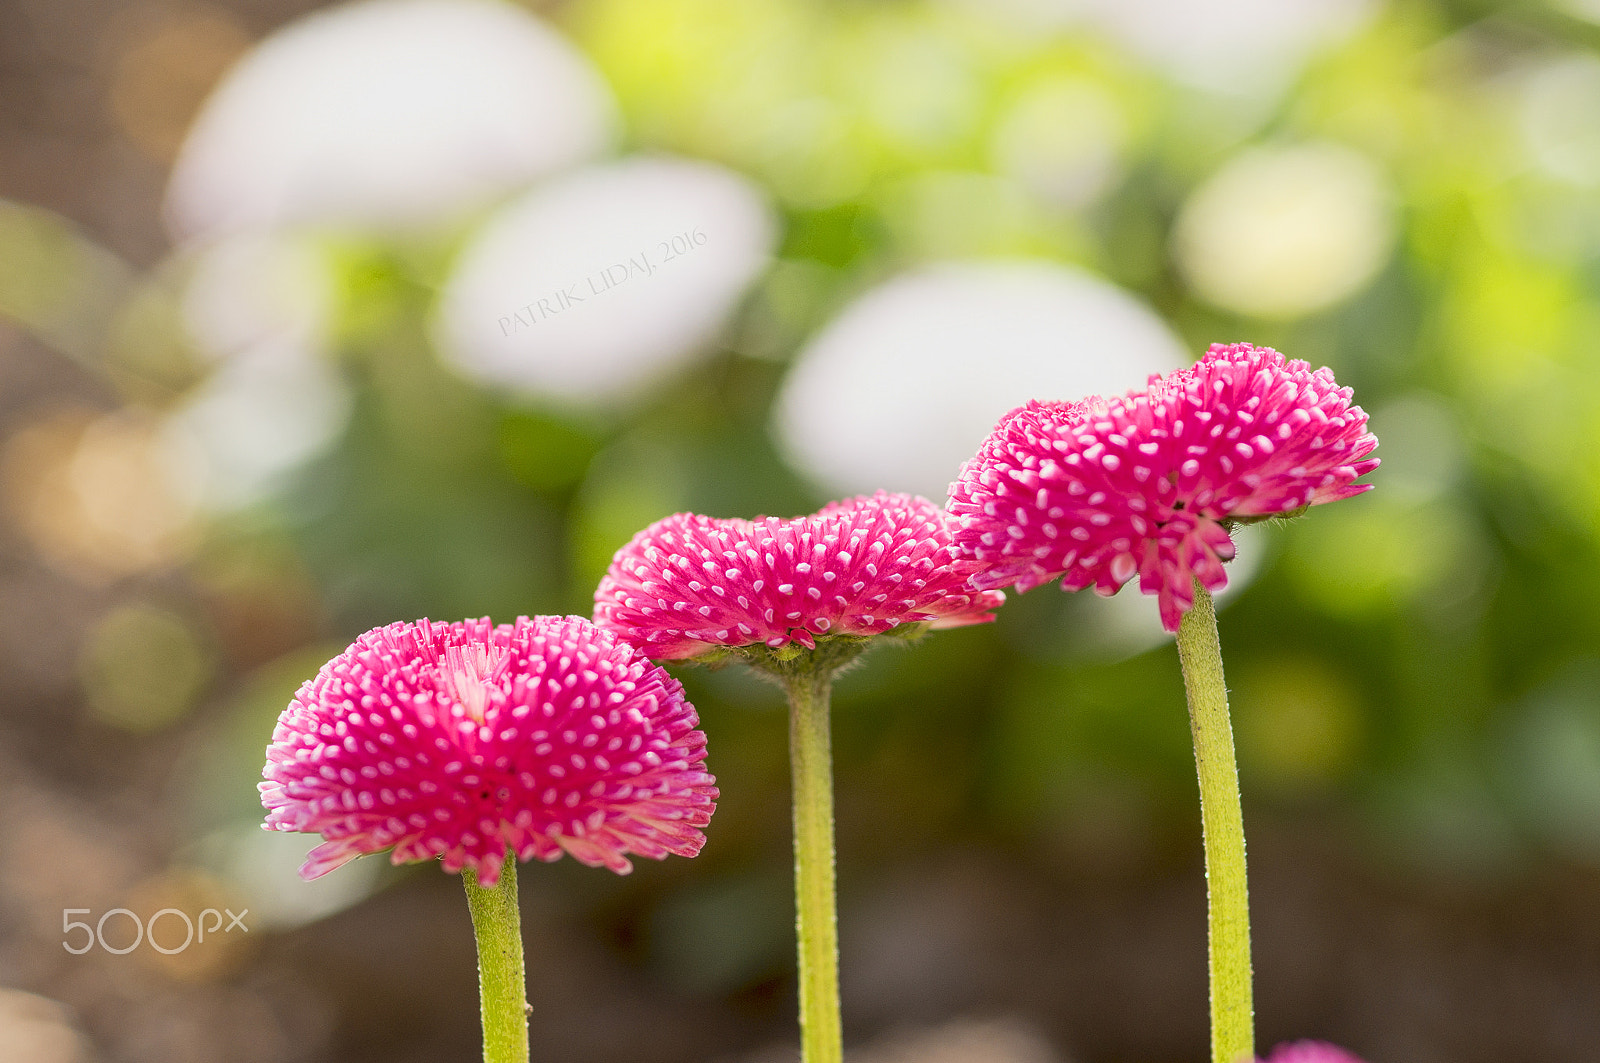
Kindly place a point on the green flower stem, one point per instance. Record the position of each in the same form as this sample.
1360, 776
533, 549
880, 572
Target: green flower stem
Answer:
502, 986
1232, 1014
811, 762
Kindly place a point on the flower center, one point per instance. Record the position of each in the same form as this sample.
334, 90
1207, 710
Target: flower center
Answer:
466, 674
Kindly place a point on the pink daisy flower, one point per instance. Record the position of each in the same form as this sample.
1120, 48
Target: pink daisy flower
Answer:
1093, 492
690, 584
466, 740
1310, 1052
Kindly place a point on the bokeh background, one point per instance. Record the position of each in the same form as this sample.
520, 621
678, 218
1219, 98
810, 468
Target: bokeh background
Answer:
282, 357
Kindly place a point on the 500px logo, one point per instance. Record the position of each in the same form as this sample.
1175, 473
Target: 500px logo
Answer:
146, 930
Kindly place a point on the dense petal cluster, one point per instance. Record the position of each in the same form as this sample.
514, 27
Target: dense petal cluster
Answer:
688, 584
466, 740
1094, 492
1310, 1052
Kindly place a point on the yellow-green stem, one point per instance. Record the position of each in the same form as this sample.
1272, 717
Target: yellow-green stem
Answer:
502, 986
1232, 1014
811, 763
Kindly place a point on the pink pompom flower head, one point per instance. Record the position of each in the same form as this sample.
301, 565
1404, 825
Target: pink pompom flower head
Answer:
1150, 483
798, 600
465, 741
768, 589
1310, 1052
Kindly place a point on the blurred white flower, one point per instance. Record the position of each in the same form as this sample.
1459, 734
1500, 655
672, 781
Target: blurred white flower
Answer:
1234, 47
899, 390
255, 420
592, 289
1285, 232
387, 111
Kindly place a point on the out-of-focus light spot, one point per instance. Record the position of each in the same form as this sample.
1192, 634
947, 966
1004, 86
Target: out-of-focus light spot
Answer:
1423, 453
142, 668
387, 111
256, 287
594, 288
164, 75
61, 286
259, 417
264, 867
39, 1030
1285, 232
901, 388
1062, 139
1300, 725
99, 498
1560, 115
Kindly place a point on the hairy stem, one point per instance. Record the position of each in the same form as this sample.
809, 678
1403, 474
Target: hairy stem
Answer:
811, 763
1232, 1013
502, 987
